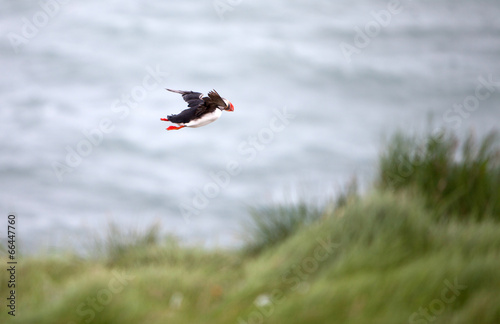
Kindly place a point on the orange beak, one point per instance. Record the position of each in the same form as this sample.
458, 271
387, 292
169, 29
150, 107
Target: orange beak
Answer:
231, 107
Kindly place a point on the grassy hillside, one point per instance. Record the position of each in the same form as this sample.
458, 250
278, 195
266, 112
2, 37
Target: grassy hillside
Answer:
424, 248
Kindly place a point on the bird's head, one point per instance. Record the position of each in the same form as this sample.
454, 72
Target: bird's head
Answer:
229, 105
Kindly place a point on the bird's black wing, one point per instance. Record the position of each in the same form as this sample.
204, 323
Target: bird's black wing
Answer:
195, 103
210, 103
214, 98
194, 99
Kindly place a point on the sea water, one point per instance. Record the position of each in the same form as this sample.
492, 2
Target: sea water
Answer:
316, 86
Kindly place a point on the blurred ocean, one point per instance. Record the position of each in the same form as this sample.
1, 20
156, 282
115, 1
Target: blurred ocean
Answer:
316, 87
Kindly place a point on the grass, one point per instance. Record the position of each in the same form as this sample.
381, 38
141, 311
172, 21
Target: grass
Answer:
460, 181
404, 252
270, 225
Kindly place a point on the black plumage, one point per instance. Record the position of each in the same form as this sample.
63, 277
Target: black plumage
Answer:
198, 105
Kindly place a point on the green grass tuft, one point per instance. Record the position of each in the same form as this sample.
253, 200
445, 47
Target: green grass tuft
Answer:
460, 181
117, 243
271, 225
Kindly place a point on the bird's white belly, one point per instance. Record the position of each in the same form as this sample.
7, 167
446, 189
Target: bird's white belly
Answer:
205, 119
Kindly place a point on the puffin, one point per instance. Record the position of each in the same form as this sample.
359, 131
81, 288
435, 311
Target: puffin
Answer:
202, 110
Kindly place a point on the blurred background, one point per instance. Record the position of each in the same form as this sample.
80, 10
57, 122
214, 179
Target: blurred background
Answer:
316, 87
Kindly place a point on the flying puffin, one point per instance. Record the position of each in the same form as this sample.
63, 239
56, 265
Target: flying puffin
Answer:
201, 111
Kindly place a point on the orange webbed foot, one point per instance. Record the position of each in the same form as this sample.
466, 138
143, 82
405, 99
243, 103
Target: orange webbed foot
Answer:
164, 119
174, 127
